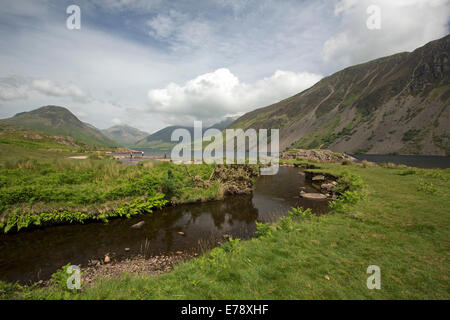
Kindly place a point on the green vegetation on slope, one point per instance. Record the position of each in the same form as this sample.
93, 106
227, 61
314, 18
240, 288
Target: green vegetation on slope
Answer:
59, 121
370, 99
402, 225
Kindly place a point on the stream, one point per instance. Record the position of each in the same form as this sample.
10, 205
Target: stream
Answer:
34, 255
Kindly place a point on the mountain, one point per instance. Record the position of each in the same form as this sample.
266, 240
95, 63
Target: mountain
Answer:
125, 134
396, 104
59, 121
161, 139
222, 125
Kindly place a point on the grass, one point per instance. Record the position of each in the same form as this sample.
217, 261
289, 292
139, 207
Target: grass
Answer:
396, 226
42, 185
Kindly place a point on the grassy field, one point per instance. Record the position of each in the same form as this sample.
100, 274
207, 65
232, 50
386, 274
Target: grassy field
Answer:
40, 184
400, 223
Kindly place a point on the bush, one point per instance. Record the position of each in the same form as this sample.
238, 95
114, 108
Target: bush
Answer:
285, 224
263, 229
348, 182
299, 212
345, 201
233, 245
427, 187
60, 277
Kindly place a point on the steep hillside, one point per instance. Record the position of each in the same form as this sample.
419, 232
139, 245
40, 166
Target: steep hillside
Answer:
125, 134
59, 121
396, 104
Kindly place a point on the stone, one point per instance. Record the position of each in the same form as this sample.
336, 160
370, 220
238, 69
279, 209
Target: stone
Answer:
313, 196
107, 259
179, 253
138, 225
127, 249
318, 178
181, 233
327, 186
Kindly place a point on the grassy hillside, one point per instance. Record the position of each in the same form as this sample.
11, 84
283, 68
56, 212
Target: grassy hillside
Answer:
397, 104
401, 226
59, 121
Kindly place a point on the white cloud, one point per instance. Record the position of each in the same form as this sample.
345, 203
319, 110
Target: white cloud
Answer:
49, 88
405, 26
13, 88
116, 121
211, 96
19, 88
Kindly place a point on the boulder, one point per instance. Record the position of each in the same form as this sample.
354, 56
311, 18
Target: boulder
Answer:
327, 186
313, 196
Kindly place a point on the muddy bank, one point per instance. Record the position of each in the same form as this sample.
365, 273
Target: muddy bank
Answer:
139, 265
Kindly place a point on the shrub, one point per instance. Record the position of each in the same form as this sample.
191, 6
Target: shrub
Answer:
347, 199
348, 182
59, 278
263, 229
233, 245
285, 224
299, 212
427, 187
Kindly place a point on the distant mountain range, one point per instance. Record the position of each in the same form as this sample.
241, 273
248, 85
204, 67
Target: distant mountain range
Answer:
59, 121
396, 104
125, 135
161, 139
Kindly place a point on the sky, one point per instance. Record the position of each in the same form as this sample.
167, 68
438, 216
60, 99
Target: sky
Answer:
154, 63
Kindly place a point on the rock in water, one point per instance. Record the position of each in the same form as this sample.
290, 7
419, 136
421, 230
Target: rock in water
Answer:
313, 196
318, 178
107, 258
138, 225
327, 186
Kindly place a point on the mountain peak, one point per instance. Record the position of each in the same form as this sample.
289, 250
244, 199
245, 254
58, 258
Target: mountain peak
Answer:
58, 120
395, 104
